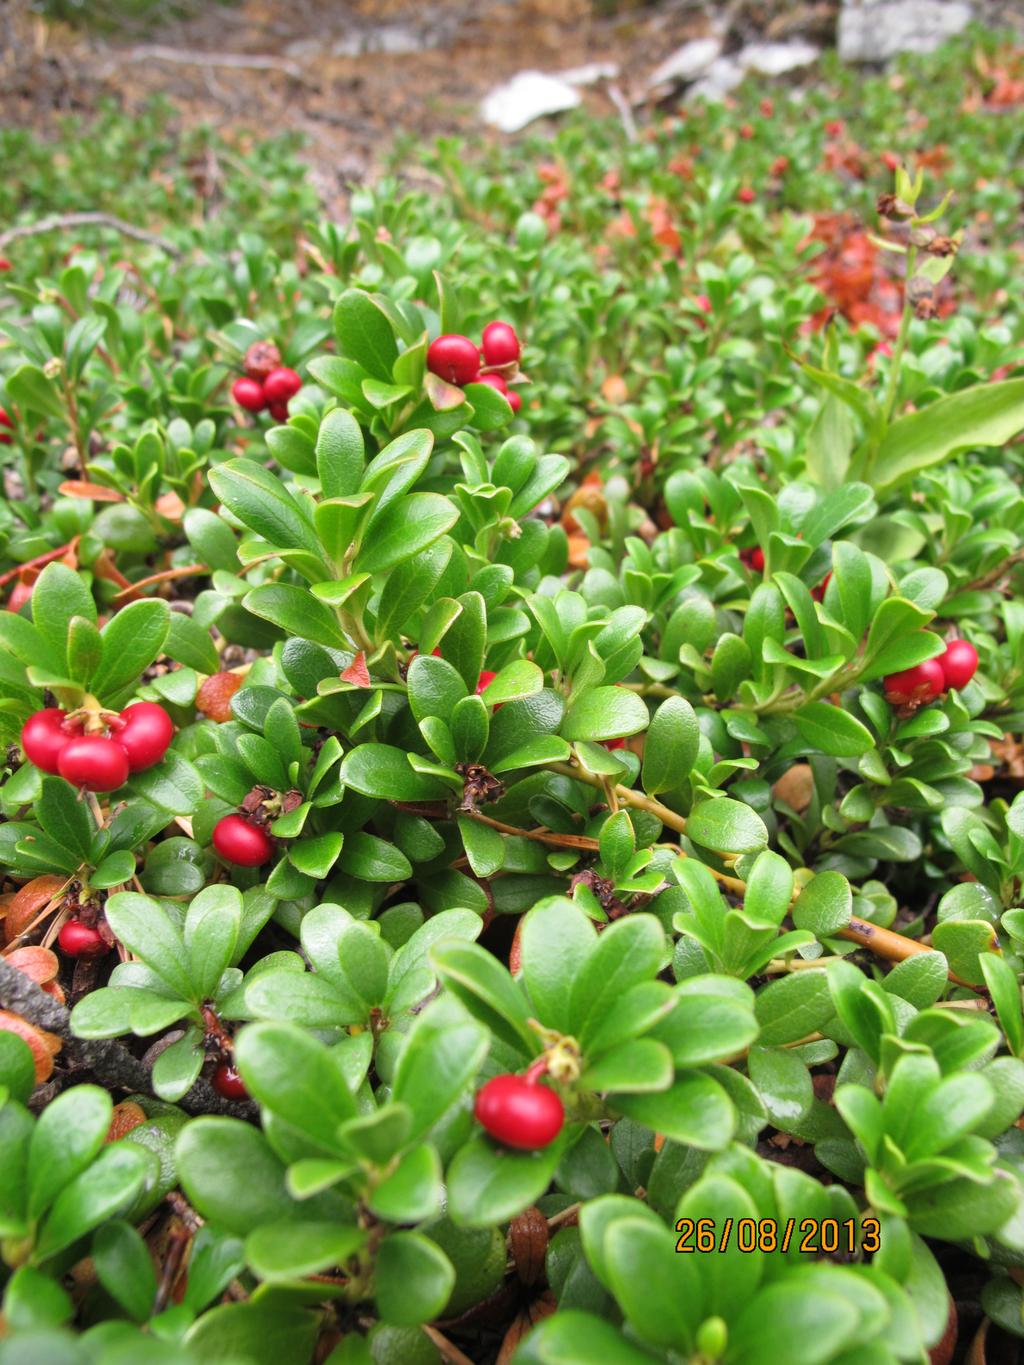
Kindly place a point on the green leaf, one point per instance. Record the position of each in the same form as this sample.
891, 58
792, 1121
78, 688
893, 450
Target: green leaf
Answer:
985, 415
830, 730
413, 1191
440, 1057
68, 1135
783, 1083
262, 1332
65, 818
604, 713
58, 596
286, 1251
125, 1268
726, 826
413, 1279
145, 929
297, 611
407, 526
670, 747
131, 641
364, 334
190, 644
173, 785
489, 1184
383, 771
695, 1111
261, 501
101, 1192
824, 905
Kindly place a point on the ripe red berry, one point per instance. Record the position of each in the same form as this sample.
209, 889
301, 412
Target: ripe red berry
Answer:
890, 161
227, 1082
279, 411
921, 683
281, 384
757, 559
494, 380
703, 303
80, 940
818, 593
515, 399
959, 663
146, 734
611, 744
767, 108
500, 344
5, 421
455, 358
239, 841
248, 394
746, 195
780, 165
43, 738
93, 762
5, 264
519, 1113
485, 679
746, 131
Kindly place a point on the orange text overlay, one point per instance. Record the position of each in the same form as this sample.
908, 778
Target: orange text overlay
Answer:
810, 1235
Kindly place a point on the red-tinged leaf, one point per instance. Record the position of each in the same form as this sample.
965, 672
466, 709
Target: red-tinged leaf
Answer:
96, 492
357, 673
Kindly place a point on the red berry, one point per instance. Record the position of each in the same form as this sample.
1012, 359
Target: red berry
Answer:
959, 663
611, 744
485, 679
80, 940
515, 399
501, 345
746, 131
227, 1082
921, 683
818, 593
455, 358
5, 264
746, 195
146, 734
5, 421
519, 1113
248, 394
767, 108
281, 384
780, 165
43, 738
279, 411
703, 303
890, 161
757, 559
239, 841
494, 380
93, 762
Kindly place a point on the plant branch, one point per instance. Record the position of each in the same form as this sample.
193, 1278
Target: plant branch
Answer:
62, 221
109, 1059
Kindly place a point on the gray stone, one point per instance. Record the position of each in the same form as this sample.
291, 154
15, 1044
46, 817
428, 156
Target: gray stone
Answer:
686, 63
527, 96
876, 30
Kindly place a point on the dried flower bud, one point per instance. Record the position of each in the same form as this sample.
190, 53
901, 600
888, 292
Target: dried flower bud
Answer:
260, 359
943, 246
889, 206
528, 1239
918, 289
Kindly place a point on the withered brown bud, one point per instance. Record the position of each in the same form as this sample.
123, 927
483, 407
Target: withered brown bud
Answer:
918, 289
922, 236
260, 359
943, 246
889, 206
925, 310
528, 1240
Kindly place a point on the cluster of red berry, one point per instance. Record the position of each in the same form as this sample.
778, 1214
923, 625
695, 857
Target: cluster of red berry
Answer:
754, 559
459, 360
266, 382
135, 739
925, 681
5, 421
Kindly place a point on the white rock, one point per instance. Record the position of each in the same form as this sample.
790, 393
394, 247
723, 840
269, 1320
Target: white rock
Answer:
527, 96
775, 59
875, 30
723, 75
589, 74
687, 62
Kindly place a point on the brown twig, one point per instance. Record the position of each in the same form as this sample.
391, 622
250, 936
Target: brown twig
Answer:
449, 1351
243, 61
540, 836
36, 563
62, 221
892, 946
165, 576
